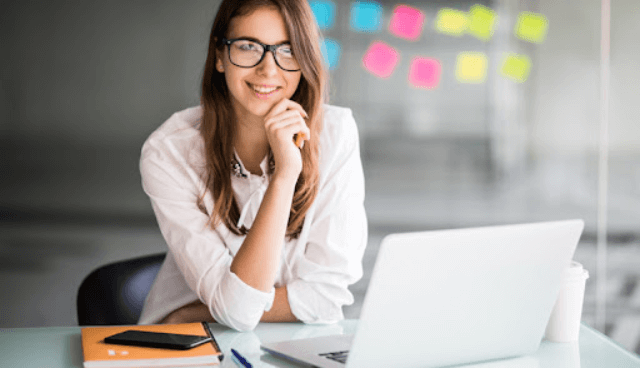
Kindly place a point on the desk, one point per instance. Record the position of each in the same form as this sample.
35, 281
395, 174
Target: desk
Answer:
61, 347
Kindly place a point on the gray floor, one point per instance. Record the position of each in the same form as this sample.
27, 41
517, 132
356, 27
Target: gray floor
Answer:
69, 213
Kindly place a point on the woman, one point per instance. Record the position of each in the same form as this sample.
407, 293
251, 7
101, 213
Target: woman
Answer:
259, 191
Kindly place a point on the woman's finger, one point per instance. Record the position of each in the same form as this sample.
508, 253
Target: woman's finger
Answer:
277, 119
285, 105
290, 127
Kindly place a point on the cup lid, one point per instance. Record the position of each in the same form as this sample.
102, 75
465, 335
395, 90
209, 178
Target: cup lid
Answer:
576, 271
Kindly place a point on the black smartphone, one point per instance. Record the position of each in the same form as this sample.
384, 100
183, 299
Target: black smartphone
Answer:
157, 339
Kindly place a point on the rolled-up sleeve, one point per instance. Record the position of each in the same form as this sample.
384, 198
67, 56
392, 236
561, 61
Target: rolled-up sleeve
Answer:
199, 251
332, 257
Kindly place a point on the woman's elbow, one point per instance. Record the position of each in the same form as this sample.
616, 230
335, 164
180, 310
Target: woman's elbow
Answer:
239, 321
242, 325
330, 313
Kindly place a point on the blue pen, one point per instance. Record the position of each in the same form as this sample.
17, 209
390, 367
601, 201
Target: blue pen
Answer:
245, 363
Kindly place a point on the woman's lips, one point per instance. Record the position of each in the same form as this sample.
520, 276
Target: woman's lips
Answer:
264, 91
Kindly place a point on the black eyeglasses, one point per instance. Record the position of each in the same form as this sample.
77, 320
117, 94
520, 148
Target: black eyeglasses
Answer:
247, 53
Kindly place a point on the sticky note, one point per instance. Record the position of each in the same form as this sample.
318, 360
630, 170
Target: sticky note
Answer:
331, 51
452, 22
516, 67
471, 67
324, 12
406, 22
380, 59
425, 72
366, 16
531, 27
482, 22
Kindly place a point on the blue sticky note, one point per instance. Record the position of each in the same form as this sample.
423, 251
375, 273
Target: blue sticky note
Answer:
331, 51
366, 16
325, 13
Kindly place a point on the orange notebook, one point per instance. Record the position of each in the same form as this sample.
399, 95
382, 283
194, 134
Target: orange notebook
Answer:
99, 354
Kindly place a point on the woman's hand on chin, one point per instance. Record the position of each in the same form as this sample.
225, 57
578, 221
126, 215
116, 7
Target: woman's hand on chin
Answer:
284, 121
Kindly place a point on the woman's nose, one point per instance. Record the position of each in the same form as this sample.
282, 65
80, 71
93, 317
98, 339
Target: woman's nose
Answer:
268, 65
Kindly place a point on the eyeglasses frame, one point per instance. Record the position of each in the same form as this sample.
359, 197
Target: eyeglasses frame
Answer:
266, 48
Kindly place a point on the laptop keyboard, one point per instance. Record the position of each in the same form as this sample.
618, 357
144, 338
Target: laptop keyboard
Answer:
338, 356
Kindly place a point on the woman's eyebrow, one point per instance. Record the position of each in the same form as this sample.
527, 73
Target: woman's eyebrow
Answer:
259, 41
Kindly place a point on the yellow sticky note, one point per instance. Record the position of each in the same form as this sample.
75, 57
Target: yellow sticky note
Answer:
531, 27
471, 67
452, 22
482, 22
516, 67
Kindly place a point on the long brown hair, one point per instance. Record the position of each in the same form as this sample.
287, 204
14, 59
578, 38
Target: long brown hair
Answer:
218, 120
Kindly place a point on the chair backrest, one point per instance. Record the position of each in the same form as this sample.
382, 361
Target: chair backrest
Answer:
115, 293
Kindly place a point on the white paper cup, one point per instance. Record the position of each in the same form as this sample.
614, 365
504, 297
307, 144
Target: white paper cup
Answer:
564, 323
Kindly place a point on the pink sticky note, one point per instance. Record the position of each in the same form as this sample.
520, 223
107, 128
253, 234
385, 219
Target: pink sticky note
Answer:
380, 59
425, 72
406, 22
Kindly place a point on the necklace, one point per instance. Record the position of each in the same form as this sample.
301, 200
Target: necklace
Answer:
237, 171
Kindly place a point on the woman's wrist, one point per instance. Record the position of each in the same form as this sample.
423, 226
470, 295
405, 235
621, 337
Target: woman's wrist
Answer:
285, 176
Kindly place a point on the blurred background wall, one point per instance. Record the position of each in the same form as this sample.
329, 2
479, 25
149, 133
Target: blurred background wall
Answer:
84, 83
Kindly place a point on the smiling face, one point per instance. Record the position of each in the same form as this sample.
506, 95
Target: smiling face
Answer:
255, 90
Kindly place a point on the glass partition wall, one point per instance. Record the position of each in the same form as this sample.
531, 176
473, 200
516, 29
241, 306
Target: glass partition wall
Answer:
479, 113
621, 95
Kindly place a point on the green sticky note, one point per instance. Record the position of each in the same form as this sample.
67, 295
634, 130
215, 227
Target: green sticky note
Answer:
471, 67
452, 22
482, 22
516, 67
531, 27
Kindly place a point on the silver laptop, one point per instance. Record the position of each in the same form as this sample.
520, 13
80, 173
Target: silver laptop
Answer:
448, 297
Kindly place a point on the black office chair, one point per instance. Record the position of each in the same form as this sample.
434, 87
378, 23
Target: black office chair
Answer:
114, 294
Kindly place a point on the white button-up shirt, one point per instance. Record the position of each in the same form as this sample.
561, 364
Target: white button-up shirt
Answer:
317, 268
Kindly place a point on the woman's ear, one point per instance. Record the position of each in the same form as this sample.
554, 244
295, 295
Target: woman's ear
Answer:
219, 65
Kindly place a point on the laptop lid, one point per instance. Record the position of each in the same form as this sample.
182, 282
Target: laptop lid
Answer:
455, 296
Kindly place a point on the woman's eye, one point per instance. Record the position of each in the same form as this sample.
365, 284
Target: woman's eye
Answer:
247, 46
285, 51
